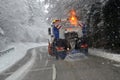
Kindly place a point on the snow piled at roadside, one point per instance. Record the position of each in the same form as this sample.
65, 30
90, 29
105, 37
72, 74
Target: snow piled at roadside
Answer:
102, 53
9, 59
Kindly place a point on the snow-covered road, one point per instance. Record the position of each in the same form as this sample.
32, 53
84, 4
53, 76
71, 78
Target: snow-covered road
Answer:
10, 58
38, 65
92, 68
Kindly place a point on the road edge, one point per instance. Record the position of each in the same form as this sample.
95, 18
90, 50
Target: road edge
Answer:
21, 72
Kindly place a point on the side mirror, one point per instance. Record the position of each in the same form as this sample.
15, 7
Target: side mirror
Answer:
49, 31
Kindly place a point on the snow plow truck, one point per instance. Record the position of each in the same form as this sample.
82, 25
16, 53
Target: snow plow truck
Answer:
65, 36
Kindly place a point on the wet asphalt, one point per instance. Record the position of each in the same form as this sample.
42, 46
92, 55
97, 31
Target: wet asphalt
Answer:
46, 67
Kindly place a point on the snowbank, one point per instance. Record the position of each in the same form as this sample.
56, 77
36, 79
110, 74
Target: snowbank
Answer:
9, 59
102, 53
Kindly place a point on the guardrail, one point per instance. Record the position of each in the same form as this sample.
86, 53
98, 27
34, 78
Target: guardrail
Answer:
6, 51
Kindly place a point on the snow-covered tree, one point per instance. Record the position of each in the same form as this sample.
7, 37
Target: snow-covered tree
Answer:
20, 20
